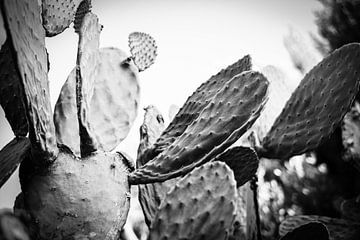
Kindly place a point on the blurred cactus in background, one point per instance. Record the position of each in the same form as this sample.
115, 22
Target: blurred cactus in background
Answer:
193, 180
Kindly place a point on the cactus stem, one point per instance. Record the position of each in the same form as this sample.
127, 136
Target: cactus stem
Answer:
254, 188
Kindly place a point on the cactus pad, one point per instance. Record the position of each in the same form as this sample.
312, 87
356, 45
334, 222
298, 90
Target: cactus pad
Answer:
143, 49
111, 117
150, 130
86, 72
317, 106
11, 156
200, 206
196, 102
312, 230
22, 22
243, 161
12, 92
339, 229
77, 199
57, 15
214, 130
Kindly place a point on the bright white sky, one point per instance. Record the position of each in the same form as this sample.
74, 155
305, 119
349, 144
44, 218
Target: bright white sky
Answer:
195, 40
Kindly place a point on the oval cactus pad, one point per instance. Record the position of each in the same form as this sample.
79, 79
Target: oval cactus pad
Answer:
111, 117
23, 25
86, 72
317, 106
196, 102
200, 206
12, 92
229, 114
143, 49
243, 161
57, 15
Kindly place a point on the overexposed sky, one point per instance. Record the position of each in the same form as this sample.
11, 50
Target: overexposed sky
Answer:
195, 40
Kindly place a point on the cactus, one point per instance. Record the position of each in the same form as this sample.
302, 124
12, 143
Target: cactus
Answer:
317, 105
189, 175
214, 130
58, 15
11, 92
27, 43
61, 193
196, 209
143, 49
118, 110
12, 155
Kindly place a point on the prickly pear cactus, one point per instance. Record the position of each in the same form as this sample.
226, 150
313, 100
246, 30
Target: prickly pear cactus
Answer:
23, 26
112, 117
12, 155
195, 103
74, 195
317, 106
200, 206
143, 49
76, 198
214, 129
12, 92
57, 15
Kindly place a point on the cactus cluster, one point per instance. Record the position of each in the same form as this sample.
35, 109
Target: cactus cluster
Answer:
193, 182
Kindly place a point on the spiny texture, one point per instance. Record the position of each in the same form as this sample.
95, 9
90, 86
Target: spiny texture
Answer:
143, 49
243, 161
77, 199
230, 113
351, 135
196, 103
200, 206
11, 156
317, 106
350, 209
86, 72
57, 15
24, 28
111, 117
12, 92
280, 89
11, 228
339, 229
83, 8
312, 230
